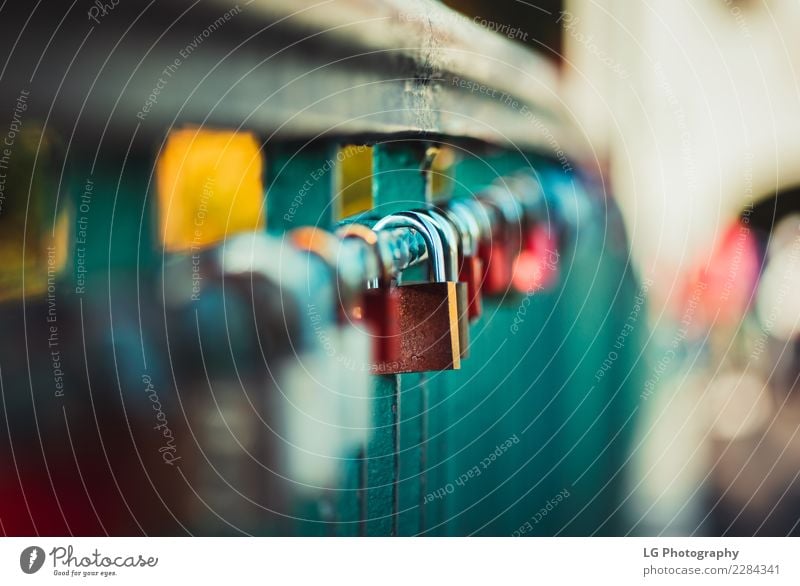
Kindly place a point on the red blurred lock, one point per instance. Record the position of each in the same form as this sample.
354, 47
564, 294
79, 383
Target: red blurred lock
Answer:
377, 308
470, 264
536, 266
471, 273
499, 252
497, 262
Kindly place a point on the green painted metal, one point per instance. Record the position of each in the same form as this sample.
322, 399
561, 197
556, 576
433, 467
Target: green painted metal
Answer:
478, 451
399, 178
559, 437
380, 490
113, 218
299, 183
396, 479
531, 398
411, 458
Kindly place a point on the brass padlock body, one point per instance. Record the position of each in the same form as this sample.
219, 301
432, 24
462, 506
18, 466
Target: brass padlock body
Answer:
434, 342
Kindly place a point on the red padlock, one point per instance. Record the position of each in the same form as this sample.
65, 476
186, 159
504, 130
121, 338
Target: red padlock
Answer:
377, 306
536, 266
500, 250
432, 315
451, 237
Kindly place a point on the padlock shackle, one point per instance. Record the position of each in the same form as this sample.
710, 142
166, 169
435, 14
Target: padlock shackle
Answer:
466, 222
370, 241
258, 256
336, 256
507, 204
451, 239
537, 210
478, 211
509, 214
316, 241
462, 236
426, 228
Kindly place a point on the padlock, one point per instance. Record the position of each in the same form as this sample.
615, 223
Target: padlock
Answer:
470, 270
231, 324
451, 240
347, 360
500, 252
300, 398
275, 406
494, 279
536, 266
428, 315
343, 274
378, 302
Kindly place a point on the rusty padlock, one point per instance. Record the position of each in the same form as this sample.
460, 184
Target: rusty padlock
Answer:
428, 313
494, 277
451, 241
378, 302
495, 245
470, 269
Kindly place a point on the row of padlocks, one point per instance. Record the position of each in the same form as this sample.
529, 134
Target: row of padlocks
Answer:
248, 306
322, 312
332, 380
500, 243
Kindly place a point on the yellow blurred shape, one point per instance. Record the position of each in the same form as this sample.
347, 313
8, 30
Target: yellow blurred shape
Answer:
33, 236
354, 180
441, 183
210, 185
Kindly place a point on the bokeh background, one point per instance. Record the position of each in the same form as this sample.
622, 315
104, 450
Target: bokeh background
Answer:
140, 142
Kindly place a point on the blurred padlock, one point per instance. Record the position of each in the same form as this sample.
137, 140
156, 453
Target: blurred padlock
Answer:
334, 385
536, 266
470, 270
494, 279
231, 323
345, 279
428, 316
296, 401
500, 253
377, 303
275, 408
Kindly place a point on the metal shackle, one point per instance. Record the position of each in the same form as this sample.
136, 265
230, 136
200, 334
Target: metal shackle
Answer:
529, 191
337, 255
426, 228
479, 213
376, 267
467, 224
511, 210
450, 238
